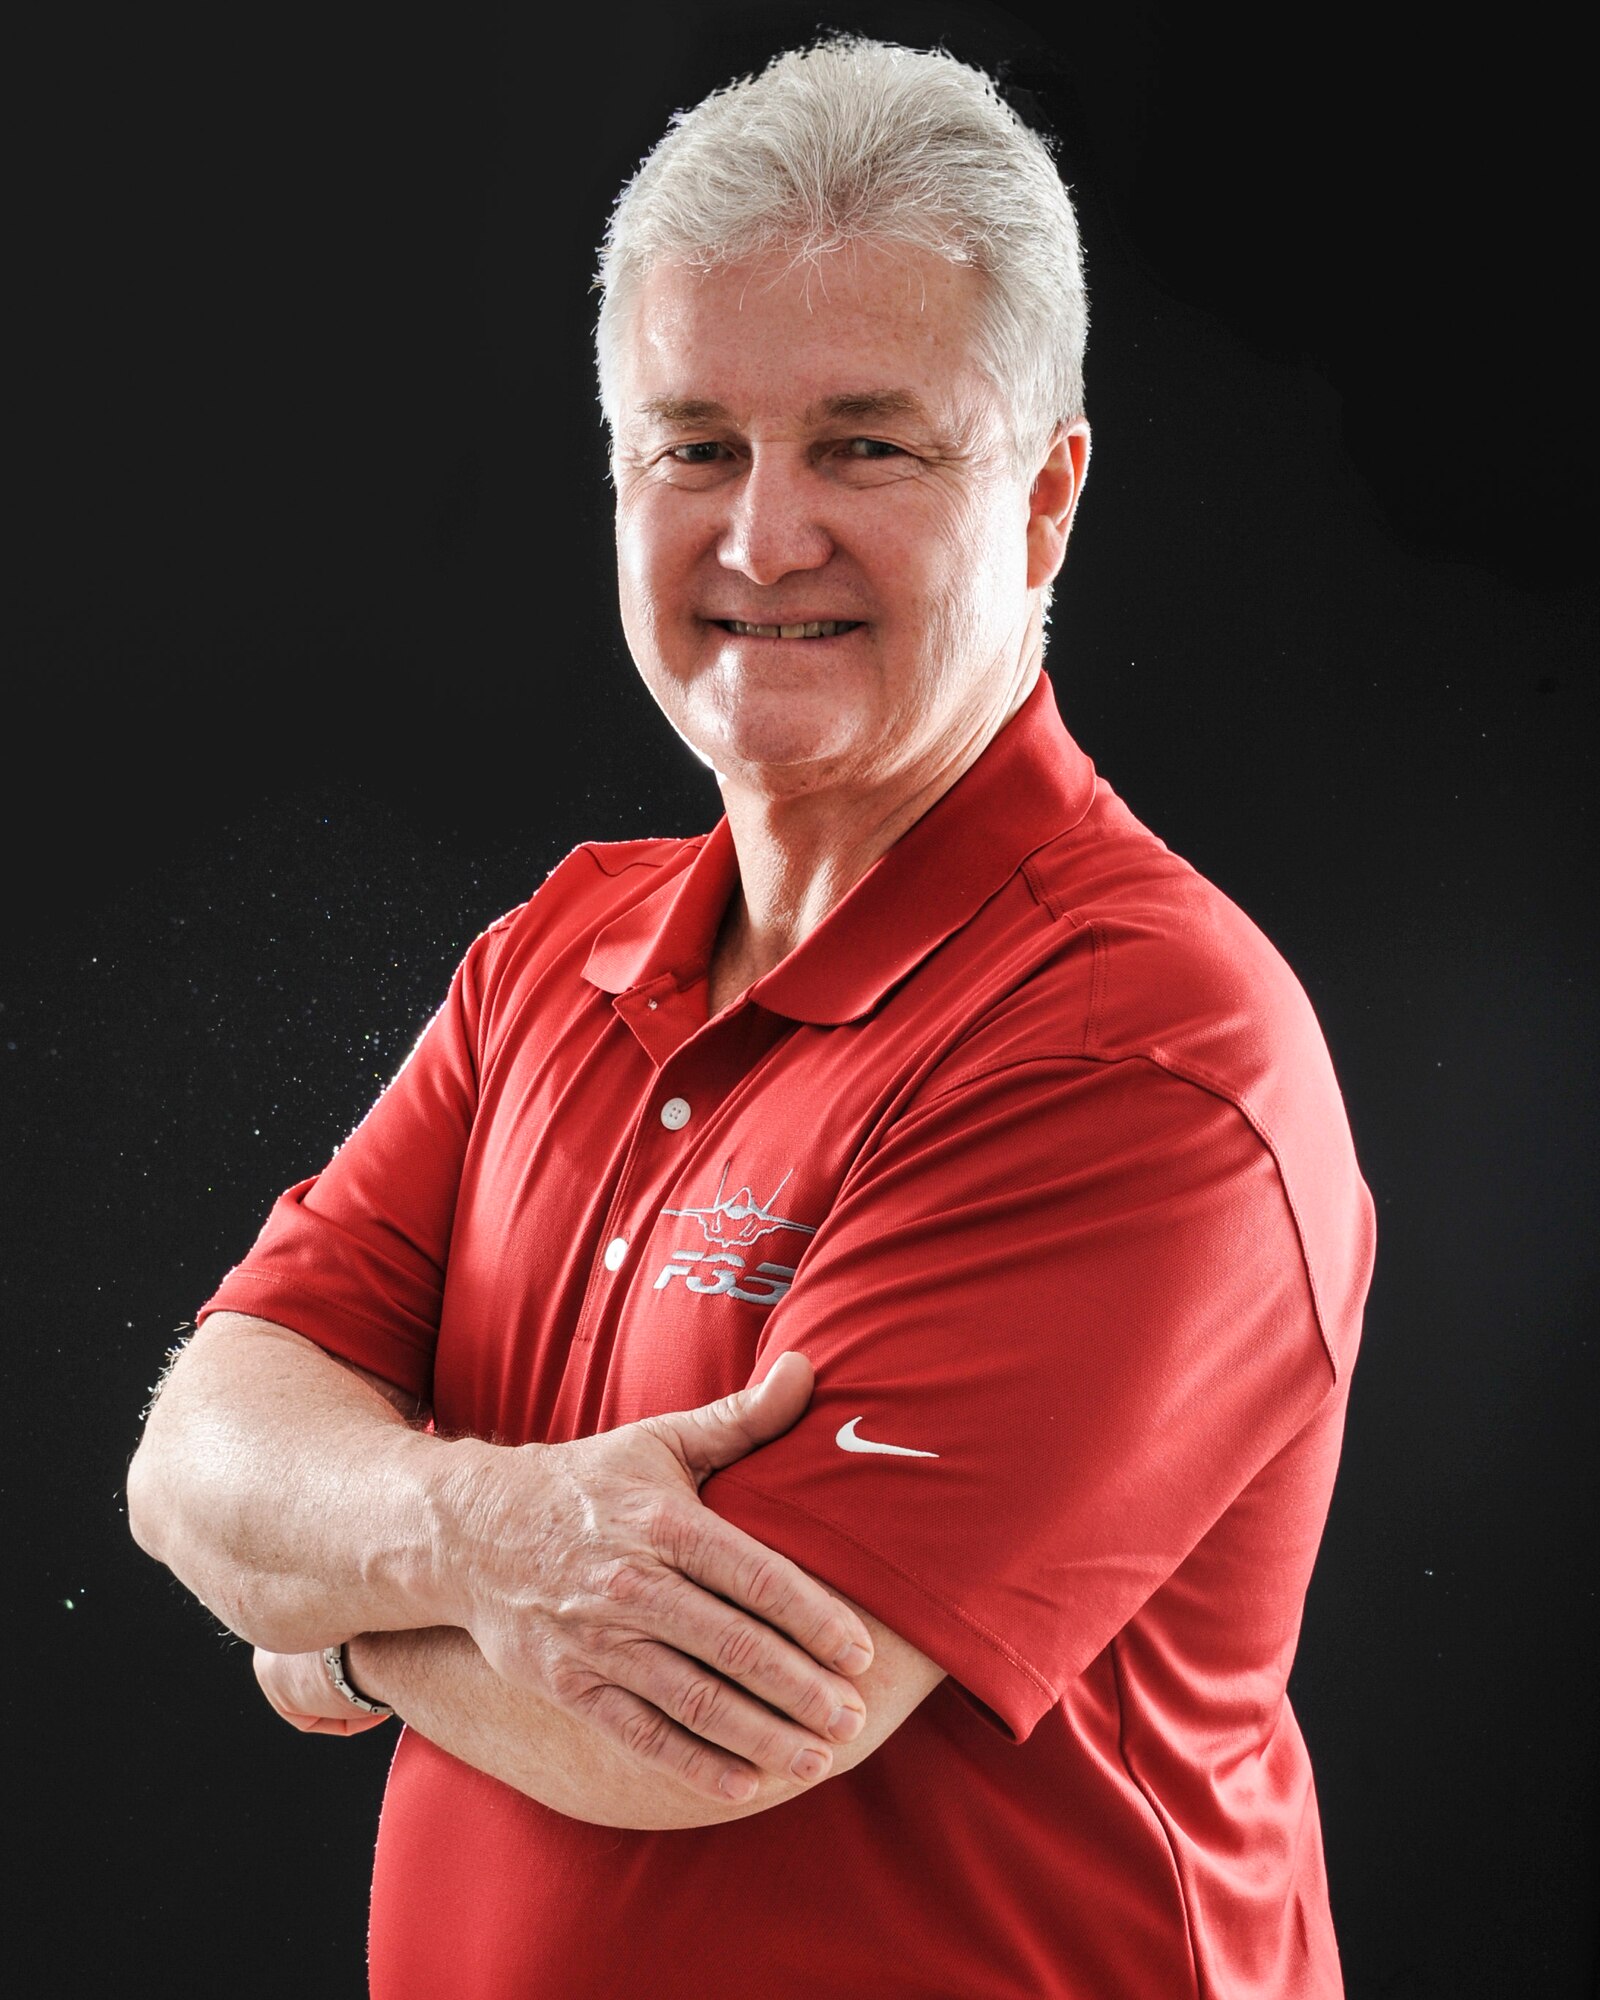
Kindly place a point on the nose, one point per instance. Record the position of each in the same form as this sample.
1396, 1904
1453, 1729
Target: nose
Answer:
774, 526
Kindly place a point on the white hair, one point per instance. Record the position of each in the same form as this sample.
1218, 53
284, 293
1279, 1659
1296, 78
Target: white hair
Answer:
852, 140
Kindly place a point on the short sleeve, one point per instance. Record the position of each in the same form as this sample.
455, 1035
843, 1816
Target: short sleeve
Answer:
354, 1257
1060, 1318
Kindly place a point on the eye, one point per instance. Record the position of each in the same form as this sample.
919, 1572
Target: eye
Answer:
870, 448
702, 451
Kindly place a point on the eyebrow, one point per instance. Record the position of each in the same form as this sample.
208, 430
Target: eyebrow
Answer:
682, 410
858, 406
869, 404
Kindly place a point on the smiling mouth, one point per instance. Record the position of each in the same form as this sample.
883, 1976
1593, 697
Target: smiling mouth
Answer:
816, 628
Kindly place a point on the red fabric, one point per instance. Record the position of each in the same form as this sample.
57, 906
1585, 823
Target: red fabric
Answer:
1034, 1147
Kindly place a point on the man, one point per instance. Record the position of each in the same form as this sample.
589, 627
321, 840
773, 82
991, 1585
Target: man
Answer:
965, 1173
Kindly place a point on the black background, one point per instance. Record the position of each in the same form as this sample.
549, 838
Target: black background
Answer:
315, 669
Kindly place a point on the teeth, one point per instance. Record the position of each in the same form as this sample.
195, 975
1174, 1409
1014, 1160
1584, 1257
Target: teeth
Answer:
819, 628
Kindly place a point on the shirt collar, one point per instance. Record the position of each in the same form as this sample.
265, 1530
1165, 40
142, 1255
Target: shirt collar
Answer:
1029, 786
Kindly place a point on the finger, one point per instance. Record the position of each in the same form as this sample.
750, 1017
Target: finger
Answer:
661, 1608
726, 1561
721, 1714
745, 1651
720, 1433
332, 1725
346, 1725
655, 1740
296, 1686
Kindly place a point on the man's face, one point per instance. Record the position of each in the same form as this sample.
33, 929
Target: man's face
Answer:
804, 448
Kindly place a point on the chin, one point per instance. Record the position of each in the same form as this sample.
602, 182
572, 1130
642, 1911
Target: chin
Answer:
782, 741
789, 762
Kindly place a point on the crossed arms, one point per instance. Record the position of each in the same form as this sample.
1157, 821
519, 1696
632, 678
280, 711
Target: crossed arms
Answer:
569, 1618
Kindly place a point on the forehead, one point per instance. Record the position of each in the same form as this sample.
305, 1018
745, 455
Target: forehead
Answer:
768, 335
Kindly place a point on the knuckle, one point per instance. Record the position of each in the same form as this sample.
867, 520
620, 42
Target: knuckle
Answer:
701, 1769
700, 1704
764, 1583
573, 1686
811, 1703
726, 1413
680, 1535
627, 1581
740, 1649
646, 1732
772, 1749
829, 1635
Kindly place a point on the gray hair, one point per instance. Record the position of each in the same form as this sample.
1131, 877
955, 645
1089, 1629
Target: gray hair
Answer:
852, 139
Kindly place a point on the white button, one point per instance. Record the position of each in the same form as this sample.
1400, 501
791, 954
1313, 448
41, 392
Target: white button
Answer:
675, 1114
616, 1250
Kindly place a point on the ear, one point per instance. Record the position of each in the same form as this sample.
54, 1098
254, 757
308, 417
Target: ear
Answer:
1053, 499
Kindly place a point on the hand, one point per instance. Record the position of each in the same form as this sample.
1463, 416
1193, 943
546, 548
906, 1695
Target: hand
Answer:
591, 1574
298, 1687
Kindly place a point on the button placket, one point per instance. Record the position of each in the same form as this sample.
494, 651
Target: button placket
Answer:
698, 1075
671, 1117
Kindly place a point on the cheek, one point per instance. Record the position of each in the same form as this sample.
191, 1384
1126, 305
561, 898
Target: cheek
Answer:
633, 556
979, 566
645, 570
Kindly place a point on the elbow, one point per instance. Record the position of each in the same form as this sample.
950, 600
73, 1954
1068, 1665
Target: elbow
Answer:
146, 1512
156, 1520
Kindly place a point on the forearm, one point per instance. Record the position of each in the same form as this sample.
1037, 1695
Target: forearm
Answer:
294, 1499
287, 1493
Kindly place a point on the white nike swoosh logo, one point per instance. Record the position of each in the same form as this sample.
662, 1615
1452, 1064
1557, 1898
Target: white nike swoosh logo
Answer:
847, 1439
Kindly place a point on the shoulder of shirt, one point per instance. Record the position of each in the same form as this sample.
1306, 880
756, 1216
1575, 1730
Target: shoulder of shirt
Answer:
1178, 973
1142, 960
594, 880
1156, 966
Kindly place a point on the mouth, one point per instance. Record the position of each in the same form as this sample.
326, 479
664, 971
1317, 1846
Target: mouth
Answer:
814, 628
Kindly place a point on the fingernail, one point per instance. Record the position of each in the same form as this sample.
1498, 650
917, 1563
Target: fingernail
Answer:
738, 1785
854, 1660
844, 1723
809, 1764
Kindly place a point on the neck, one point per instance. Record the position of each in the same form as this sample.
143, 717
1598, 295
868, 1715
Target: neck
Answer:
801, 853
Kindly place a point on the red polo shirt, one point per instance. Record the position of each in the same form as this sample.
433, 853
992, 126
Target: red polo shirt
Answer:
1035, 1149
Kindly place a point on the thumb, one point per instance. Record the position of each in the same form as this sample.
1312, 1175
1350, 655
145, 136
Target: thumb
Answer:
720, 1433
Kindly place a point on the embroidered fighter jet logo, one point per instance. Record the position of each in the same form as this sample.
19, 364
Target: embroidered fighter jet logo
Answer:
725, 1221
751, 1219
